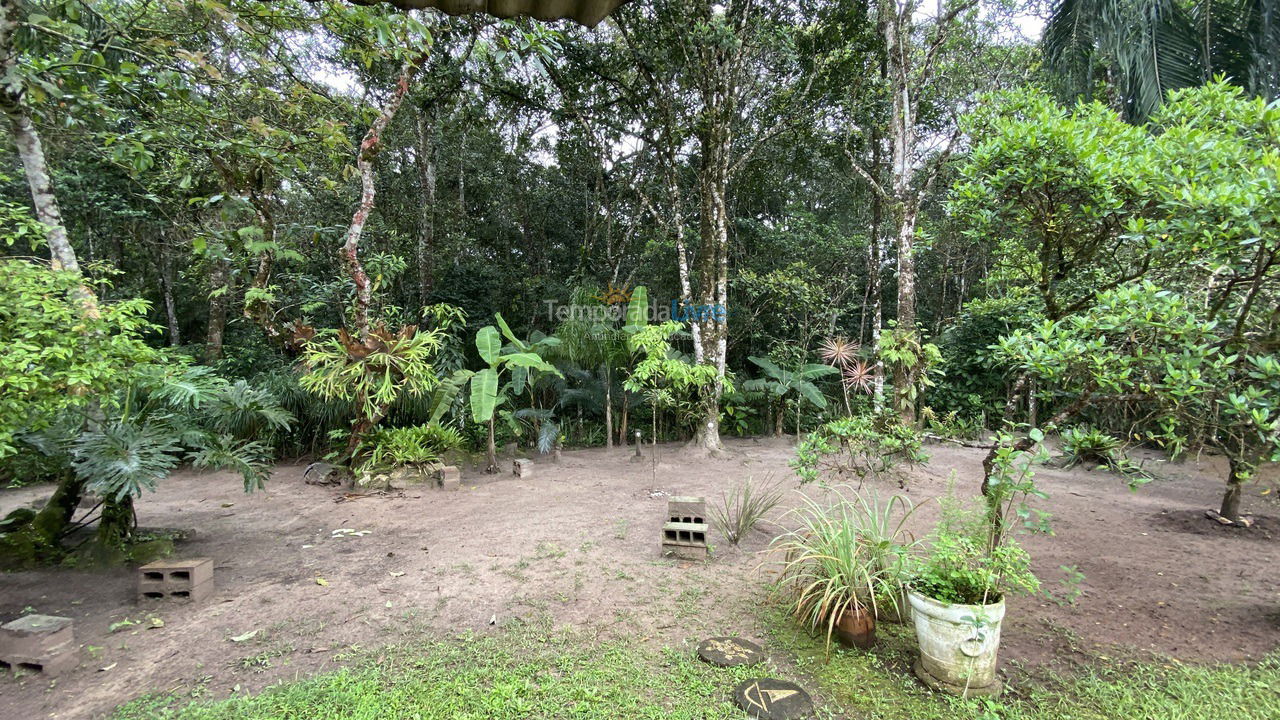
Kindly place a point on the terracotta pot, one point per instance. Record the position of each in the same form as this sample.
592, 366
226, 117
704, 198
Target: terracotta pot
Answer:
856, 628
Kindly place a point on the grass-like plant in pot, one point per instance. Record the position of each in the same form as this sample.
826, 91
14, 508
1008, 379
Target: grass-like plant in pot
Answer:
957, 601
842, 566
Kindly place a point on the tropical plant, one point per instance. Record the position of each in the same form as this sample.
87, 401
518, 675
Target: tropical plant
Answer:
372, 373
910, 362
521, 361
795, 385
1143, 49
668, 380
961, 567
417, 445
742, 507
871, 445
844, 556
1085, 444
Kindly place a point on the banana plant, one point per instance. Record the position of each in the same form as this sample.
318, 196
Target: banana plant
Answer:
518, 361
797, 383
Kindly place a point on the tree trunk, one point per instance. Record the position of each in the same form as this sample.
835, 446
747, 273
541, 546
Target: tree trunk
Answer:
622, 426
1235, 484
426, 162
166, 292
219, 292
116, 525
491, 452
369, 147
608, 410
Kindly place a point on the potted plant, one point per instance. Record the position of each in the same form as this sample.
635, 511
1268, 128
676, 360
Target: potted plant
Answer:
841, 566
957, 603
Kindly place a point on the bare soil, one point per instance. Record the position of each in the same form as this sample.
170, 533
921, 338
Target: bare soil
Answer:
579, 541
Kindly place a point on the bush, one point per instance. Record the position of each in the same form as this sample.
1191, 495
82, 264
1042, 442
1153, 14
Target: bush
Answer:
962, 567
864, 446
417, 445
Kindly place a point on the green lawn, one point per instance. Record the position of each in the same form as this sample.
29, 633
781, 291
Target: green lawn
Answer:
533, 671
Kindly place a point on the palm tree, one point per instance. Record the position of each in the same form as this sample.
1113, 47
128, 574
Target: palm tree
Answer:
1142, 49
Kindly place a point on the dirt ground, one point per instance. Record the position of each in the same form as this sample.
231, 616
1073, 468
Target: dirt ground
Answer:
579, 541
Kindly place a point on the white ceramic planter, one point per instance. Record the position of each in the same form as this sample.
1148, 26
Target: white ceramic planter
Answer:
958, 645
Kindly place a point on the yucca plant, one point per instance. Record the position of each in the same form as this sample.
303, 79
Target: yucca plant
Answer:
844, 556
743, 506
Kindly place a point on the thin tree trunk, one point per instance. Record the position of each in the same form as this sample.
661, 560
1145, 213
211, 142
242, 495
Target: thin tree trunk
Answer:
166, 291
608, 410
31, 152
369, 148
491, 452
219, 292
426, 162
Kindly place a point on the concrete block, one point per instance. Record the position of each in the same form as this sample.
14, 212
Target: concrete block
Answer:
685, 552
39, 643
685, 533
187, 580
687, 509
449, 477
522, 467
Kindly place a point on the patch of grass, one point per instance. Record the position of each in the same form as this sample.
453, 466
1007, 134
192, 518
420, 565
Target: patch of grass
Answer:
880, 684
526, 671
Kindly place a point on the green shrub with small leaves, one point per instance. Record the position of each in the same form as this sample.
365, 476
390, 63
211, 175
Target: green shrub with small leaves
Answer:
864, 446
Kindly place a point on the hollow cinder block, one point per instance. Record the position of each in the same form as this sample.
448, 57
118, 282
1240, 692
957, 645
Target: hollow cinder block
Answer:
184, 580
685, 551
39, 643
687, 509
522, 467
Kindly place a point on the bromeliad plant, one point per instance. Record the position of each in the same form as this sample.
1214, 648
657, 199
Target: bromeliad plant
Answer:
389, 448
845, 556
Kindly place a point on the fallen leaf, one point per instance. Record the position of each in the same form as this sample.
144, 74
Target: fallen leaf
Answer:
321, 581
157, 622
395, 573
247, 636
104, 669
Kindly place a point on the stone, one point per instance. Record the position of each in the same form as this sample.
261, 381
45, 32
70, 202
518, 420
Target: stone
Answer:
773, 699
687, 509
322, 473
407, 476
183, 580
730, 651
448, 477
522, 467
39, 643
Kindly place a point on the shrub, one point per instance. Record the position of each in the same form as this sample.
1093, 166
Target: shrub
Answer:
1087, 444
417, 445
962, 566
870, 445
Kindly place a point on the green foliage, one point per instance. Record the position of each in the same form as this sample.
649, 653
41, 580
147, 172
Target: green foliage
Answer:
743, 506
844, 555
372, 373
961, 566
169, 413
56, 358
973, 380
911, 362
418, 445
872, 445
1091, 445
